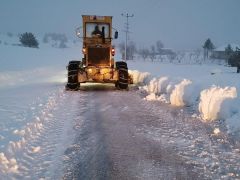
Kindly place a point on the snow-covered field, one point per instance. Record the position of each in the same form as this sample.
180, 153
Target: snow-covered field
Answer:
32, 99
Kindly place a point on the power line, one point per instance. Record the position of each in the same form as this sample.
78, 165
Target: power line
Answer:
126, 31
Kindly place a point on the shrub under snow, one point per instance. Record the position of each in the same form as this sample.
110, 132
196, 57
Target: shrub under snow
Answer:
28, 40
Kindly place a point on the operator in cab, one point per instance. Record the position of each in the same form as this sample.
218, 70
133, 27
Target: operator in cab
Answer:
96, 32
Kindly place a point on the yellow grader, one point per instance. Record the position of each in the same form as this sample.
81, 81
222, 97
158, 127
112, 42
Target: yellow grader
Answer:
98, 63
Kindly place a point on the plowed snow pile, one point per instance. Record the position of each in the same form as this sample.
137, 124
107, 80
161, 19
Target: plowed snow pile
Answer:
217, 103
209, 102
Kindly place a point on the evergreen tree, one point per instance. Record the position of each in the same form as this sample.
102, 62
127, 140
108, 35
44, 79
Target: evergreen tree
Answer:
144, 53
208, 47
159, 47
28, 40
234, 59
228, 50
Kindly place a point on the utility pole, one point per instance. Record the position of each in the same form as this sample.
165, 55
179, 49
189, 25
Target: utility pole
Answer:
126, 31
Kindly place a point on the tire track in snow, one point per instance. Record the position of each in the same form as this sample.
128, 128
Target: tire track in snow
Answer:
39, 153
214, 155
111, 144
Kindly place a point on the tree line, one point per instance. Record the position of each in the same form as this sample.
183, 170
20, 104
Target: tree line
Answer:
28, 39
145, 53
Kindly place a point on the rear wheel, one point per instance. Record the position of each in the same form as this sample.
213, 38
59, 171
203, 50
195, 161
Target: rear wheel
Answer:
73, 69
122, 68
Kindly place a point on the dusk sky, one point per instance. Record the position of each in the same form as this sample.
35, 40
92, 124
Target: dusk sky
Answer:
179, 24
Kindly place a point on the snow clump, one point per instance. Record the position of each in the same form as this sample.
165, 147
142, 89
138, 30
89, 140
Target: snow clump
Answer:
178, 94
216, 103
158, 86
140, 77
8, 165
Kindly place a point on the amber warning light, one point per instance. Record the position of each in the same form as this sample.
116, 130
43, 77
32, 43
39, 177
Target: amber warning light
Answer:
113, 51
84, 50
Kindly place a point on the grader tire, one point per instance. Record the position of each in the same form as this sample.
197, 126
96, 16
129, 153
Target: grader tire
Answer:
73, 69
122, 82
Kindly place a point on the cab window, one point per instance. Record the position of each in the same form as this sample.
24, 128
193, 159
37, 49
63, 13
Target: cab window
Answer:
96, 29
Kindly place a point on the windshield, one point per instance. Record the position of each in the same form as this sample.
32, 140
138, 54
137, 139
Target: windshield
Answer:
97, 29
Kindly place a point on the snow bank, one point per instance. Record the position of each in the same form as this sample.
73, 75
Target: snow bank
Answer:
151, 97
216, 102
213, 103
177, 95
167, 90
140, 77
158, 86
38, 75
8, 165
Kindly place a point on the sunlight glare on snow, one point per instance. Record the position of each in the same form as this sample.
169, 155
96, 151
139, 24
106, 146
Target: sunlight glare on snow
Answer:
212, 101
216, 131
36, 149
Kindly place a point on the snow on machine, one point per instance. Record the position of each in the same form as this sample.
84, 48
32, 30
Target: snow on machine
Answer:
98, 63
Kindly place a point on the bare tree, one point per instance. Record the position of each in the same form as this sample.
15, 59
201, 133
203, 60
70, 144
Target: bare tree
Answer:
180, 56
57, 40
152, 53
122, 49
198, 55
171, 57
159, 47
131, 50
144, 53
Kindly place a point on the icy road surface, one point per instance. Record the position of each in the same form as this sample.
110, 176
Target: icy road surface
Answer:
103, 133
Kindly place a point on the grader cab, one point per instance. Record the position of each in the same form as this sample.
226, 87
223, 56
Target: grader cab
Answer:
98, 63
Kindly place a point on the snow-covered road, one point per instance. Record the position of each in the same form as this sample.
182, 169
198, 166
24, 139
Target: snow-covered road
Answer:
103, 133
112, 142
121, 136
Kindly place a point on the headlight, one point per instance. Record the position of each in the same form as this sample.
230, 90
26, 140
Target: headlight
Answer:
90, 70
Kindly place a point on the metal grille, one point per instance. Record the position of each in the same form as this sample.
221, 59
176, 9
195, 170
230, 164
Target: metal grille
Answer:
98, 56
